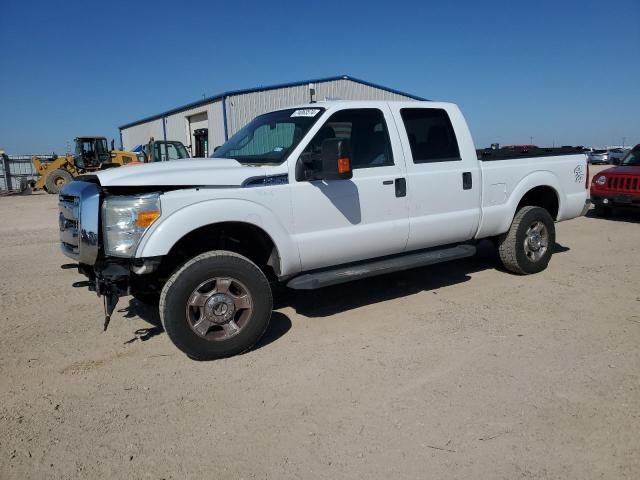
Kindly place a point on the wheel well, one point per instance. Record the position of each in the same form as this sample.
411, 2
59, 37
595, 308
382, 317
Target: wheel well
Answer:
543, 196
243, 238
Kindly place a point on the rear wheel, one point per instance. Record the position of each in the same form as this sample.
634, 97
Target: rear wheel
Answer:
526, 247
216, 305
57, 179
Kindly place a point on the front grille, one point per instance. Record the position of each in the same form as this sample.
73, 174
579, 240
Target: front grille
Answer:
79, 221
624, 183
69, 207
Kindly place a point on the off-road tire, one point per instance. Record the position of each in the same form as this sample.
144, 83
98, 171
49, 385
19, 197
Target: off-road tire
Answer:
56, 180
177, 290
511, 244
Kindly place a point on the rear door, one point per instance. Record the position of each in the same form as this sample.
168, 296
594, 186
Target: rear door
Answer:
443, 175
341, 221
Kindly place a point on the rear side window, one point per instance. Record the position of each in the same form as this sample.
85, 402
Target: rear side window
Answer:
431, 135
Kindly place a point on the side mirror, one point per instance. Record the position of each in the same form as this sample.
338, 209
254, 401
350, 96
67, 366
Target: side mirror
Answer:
615, 161
335, 159
214, 150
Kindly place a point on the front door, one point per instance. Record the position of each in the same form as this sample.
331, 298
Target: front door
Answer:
341, 221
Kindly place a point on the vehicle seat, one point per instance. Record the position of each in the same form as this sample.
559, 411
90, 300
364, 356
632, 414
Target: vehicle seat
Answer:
373, 152
437, 145
325, 133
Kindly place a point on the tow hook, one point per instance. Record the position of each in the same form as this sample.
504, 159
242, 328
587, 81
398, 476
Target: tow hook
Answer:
110, 302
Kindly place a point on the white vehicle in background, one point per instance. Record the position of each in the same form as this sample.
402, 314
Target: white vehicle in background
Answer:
598, 156
310, 196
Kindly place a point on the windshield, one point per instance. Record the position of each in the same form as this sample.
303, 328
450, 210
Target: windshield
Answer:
269, 138
633, 157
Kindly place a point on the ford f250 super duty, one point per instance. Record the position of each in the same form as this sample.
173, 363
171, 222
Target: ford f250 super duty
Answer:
310, 196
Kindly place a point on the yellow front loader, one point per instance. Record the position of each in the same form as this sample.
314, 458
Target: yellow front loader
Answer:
91, 154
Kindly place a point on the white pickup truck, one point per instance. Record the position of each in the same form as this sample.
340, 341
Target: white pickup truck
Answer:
310, 196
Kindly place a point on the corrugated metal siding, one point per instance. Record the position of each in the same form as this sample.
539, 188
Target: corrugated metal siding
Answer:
140, 134
350, 90
177, 126
216, 126
243, 108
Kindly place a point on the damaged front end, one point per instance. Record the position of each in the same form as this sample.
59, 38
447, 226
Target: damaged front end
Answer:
101, 233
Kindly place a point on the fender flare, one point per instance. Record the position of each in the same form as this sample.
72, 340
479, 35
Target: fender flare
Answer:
163, 235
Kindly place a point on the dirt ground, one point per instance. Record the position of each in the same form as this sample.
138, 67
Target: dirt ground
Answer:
454, 371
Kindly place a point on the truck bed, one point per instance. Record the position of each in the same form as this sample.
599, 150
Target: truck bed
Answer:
489, 154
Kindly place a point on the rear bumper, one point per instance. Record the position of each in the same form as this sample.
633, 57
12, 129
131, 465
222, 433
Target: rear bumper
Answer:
585, 209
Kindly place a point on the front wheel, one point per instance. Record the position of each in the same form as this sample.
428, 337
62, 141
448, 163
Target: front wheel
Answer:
216, 305
526, 247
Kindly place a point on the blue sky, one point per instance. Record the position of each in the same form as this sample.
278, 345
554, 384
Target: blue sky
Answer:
563, 72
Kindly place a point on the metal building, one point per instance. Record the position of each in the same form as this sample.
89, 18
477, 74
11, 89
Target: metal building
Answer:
207, 123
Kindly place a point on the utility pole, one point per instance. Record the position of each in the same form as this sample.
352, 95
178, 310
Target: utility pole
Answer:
623, 139
530, 140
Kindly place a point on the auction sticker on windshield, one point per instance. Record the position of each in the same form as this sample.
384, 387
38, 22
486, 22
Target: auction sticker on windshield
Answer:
306, 112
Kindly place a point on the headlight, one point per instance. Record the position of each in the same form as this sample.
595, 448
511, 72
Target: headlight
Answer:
125, 219
601, 180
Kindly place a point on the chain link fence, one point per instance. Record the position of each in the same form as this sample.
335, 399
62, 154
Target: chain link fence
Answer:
16, 171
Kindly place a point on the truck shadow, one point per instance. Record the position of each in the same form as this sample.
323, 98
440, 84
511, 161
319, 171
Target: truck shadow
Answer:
617, 215
339, 298
279, 325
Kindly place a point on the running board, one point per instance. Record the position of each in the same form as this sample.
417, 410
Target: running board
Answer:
311, 281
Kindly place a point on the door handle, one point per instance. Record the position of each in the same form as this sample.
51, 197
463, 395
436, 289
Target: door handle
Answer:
387, 182
467, 181
401, 187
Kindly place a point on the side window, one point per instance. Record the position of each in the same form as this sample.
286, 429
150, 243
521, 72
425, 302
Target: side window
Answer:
431, 135
366, 130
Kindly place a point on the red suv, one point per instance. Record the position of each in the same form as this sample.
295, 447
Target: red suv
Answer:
618, 186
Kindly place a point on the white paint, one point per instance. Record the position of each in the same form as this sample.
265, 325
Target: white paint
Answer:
317, 224
305, 112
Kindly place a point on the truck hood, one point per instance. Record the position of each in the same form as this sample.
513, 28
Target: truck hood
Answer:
189, 172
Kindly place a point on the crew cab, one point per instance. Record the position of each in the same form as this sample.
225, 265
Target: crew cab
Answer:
618, 186
310, 196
